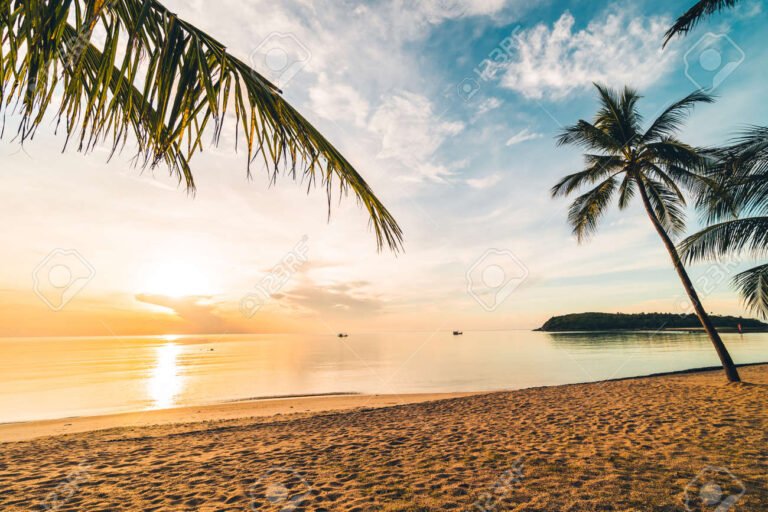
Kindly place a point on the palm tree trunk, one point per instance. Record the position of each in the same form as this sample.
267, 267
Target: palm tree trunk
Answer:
706, 322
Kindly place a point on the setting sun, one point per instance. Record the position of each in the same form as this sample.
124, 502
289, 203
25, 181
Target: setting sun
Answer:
176, 279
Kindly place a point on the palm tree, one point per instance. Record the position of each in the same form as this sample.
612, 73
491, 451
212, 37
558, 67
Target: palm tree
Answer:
623, 159
695, 14
740, 223
157, 81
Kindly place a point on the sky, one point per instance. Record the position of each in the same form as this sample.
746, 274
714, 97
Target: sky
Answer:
449, 109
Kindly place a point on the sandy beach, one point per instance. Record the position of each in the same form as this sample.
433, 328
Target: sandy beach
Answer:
664, 443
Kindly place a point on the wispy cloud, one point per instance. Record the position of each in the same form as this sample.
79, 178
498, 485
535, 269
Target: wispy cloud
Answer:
328, 299
200, 311
523, 136
411, 133
487, 105
484, 182
618, 48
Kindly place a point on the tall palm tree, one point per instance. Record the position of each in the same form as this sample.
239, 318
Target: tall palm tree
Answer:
695, 14
157, 81
626, 160
739, 223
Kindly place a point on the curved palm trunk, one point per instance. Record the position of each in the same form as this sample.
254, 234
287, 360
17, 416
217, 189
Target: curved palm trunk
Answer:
722, 352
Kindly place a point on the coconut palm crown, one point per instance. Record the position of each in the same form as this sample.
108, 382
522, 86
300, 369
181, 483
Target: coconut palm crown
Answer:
623, 161
153, 80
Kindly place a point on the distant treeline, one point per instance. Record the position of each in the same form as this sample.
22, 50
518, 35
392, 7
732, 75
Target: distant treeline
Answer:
643, 321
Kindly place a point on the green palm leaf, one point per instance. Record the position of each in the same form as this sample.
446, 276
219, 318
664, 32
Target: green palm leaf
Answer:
741, 170
586, 210
590, 137
729, 237
671, 119
667, 204
162, 84
753, 286
695, 14
618, 115
600, 167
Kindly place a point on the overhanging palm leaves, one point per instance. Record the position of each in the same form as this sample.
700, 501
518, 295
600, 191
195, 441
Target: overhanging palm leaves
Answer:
695, 14
624, 159
741, 221
733, 236
160, 83
753, 285
743, 170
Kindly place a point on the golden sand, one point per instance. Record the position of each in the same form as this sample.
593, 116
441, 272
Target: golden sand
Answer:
668, 443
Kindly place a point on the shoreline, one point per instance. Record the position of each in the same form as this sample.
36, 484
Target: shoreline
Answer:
639, 443
301, 405
268, 407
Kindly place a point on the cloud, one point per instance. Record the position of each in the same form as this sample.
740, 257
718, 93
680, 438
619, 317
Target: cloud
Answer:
411, 133
749, 9
437, 11
617, 48
200, 311
338, 102
484, 182
327, 299
523, 136
486, 106
361, 62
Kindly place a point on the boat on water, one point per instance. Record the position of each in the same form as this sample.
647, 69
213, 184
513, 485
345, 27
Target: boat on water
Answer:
457, 333
343, 335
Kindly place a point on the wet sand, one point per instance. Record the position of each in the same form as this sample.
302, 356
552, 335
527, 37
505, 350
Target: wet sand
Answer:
664, 443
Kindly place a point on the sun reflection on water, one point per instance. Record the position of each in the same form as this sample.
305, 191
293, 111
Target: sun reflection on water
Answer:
165, 382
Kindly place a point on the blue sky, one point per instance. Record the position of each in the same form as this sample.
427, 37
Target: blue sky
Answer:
466, 171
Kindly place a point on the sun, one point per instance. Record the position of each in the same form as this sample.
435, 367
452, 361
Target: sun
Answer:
176, 279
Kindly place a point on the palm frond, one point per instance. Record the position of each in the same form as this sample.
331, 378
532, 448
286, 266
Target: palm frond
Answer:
626, 191
730, 237
160, 83
667, 204
586, 211
741, 170
617, 114
748, 166
671, 152
629, 110
669, 183
590, 137
670, 121
600, 167
753, 286
695, 14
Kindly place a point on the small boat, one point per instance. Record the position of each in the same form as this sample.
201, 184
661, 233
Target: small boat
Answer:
343, 335
457, 333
